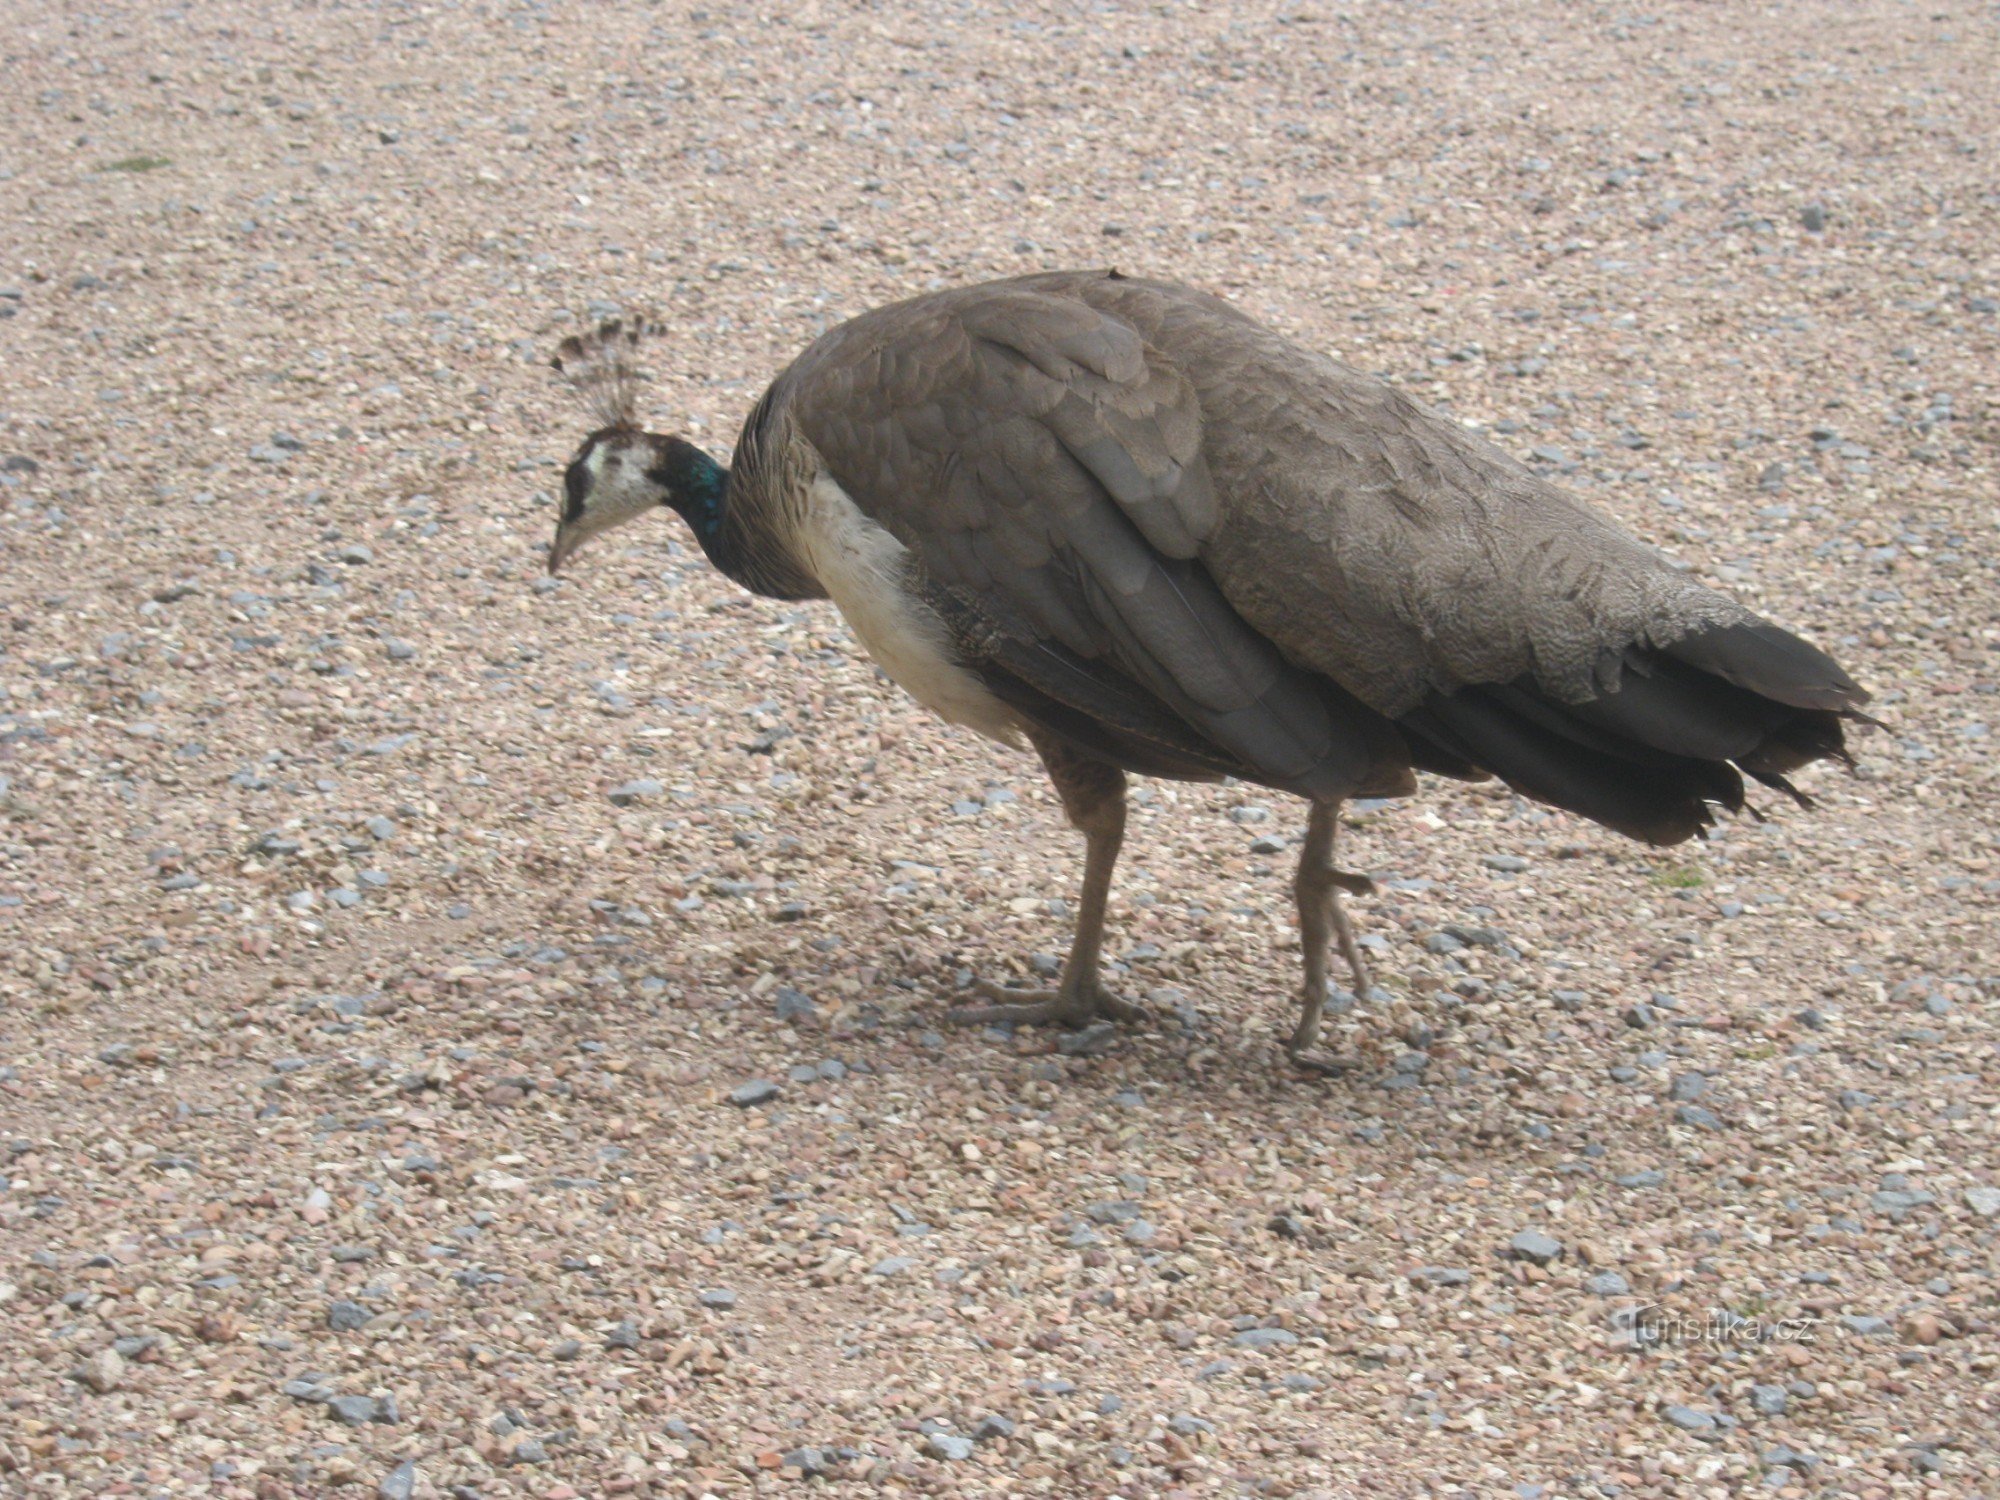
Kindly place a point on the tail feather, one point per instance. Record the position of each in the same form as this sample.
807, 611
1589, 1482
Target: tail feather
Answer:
1652, 756
1771, 662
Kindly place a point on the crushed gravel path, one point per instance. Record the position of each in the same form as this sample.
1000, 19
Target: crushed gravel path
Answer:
463, 1033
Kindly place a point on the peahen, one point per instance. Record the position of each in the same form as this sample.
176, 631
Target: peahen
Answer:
1120, 521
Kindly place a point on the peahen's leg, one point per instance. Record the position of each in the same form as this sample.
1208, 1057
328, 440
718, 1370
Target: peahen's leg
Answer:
1093, 795
1323, 922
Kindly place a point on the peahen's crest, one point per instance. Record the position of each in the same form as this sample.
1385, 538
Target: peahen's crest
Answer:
603, 366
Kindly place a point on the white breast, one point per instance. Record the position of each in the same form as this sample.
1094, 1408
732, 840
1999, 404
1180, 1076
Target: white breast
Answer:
859, 564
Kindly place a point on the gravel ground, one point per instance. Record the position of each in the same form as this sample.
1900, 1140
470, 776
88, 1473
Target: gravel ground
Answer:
466, 1034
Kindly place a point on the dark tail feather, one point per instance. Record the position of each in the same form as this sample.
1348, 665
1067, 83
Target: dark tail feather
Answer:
1771, 663
1684, 725
1655, 798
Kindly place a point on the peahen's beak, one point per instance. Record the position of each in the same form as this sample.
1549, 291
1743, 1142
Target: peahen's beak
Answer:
568, 539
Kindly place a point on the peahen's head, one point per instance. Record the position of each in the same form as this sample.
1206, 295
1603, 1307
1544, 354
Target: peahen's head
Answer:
623, 471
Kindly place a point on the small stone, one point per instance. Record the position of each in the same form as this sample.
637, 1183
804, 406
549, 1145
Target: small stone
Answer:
623, 1336
1188, 1425
345, 1317
1533, 1245
356, 1411
808, 1461
1699, 1116
1606, 1284
1784, 1457
1441, 1276
891, 1265
948, 1445
756, 1091
1812, 218
642, 790
1984, 1201
529, 1451
720, 1298
1923, 1328
104, 1371
1506, 864
1097, 1037
991, 1428
1688, 1086
1769, 1400
1264, 1338
1865, 1324
1688, 1419
400, 1483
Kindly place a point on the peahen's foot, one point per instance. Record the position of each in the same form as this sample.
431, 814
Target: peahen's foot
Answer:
1302, 1046
1067, 1004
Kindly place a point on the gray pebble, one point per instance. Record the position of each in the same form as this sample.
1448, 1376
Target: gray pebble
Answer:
1688, 1419
344, 1316
1506, 864
624, 1336
1812, 218
1099, 1036
529, 1451
991, 1428
635, 791
356, 1411
1187, 1425
1441, 1276
948, 1445
756, 1091
1699, 1116
890, 1265
1533, 1245
1984, 1201
1769, 1400
1606, 1284
1688, 1086
400, 1483
720, 1298
1865, 1324
1783, 1456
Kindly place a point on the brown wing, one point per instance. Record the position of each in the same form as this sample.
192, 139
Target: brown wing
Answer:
1049, 472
